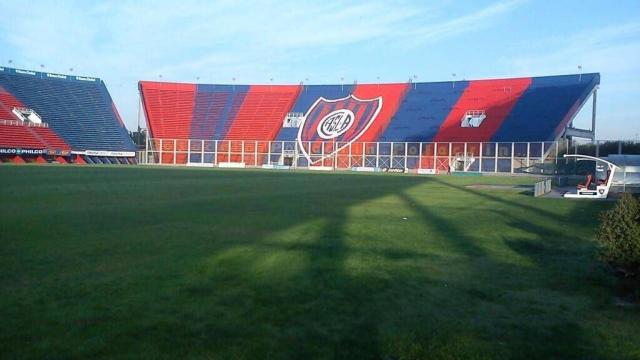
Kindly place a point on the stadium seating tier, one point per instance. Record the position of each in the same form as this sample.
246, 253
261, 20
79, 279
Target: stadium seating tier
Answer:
78, 110
520, 109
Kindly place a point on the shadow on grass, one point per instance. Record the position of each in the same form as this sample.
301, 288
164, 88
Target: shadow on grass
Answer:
299, 266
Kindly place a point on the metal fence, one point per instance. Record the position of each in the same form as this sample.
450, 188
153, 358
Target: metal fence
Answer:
487, 157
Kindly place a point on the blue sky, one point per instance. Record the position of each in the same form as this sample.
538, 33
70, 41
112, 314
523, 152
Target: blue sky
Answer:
288, 40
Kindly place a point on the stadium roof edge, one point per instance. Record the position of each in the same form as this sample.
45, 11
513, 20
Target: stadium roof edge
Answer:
597, 74
47, 75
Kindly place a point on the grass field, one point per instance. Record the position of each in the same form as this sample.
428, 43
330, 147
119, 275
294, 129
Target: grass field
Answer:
121, 262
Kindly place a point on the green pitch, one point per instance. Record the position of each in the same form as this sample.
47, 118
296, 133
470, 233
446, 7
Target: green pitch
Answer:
122, 262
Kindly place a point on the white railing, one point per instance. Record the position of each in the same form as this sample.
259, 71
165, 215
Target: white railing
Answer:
487, 157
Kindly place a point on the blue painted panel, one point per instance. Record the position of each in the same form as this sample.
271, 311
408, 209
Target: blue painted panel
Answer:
544, 105
215, 107
80, 111
423, 110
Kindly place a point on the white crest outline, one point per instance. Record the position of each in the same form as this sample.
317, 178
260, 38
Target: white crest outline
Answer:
304, 121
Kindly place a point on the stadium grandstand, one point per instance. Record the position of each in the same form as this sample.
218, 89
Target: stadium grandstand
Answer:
47, 117
433, 125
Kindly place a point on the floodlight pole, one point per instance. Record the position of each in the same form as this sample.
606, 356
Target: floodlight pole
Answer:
580, 73
593, 112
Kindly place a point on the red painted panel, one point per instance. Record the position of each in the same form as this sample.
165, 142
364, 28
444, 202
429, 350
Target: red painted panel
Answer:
168, 108
262, 112
392, 95
49, 138
19, 136
7, 103
495, 97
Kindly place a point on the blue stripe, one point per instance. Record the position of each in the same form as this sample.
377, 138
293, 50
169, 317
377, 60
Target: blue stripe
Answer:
543, 105
423, 111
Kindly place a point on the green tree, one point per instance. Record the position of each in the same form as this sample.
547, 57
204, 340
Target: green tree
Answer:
619, 235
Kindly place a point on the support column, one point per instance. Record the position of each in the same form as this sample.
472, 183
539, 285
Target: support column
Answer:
215, 152
513, 148
480, 158
335, 155
495, 165
146, 150
406, 146
556, 158
435, 157
464, 158
269, 154
449, 157
593, 113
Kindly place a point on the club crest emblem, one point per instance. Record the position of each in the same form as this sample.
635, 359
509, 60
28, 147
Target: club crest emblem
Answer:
331, 125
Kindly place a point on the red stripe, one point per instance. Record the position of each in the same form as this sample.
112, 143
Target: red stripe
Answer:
358, 115
495, 97
262, 112
7, 103
169, 108
391, 94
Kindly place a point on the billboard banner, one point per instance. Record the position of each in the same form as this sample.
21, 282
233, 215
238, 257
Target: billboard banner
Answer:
105, 153
20, 151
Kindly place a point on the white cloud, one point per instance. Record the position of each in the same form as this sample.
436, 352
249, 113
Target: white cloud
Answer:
463, 24
123, 42
613, 51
